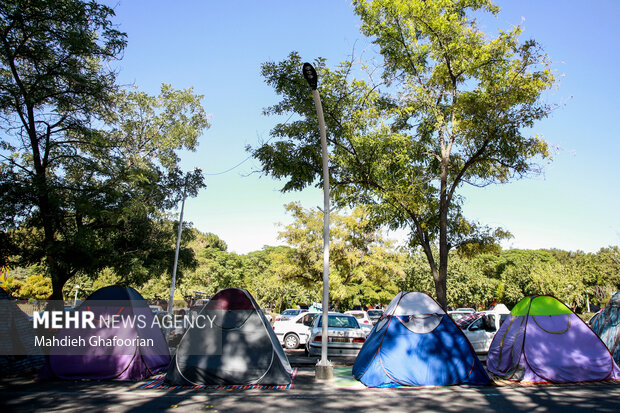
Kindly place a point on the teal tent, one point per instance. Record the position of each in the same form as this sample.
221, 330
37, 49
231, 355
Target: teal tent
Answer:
607, 326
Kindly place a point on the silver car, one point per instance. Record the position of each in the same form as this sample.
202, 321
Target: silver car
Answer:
345, 336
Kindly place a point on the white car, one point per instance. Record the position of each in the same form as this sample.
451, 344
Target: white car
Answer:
362, 318
294, 332
289, 313
344, 336
480, 332
156, 308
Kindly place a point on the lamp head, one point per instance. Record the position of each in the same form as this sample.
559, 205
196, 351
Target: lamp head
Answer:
310, 75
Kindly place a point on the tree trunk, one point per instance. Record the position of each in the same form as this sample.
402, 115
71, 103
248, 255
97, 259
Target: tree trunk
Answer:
441, 277
58, 282
441, 290
58, 276
442, 274
46, 208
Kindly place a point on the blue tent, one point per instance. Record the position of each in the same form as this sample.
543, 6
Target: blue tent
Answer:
416, 343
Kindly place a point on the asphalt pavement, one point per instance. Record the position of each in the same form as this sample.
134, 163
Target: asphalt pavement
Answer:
26, 395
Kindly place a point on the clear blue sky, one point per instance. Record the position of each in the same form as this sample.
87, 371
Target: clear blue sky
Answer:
217, 47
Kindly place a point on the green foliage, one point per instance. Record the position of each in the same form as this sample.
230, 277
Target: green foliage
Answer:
453, 107
85, 283
366, 269
156, 287
12, 286
468, 286
36, 286
284, 276
261, 272
417, 274
363, 266
525, 273
208, 240
86, 169
106, 278
510, 275
265, 278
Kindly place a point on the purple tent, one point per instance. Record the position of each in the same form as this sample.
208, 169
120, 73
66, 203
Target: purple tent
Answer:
126, 343
543, 341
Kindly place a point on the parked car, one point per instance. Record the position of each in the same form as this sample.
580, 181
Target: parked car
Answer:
466, 320
344, 336
362, 318
289, 313
197, 306
374, 315
156, 308
294, 332
481, 331
461, 313
181, 324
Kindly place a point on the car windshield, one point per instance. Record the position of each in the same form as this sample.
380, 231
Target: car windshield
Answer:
290, 312
375, 313
359, 316
339, 321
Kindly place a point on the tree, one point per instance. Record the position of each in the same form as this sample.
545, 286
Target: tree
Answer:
266, 278
607, 264
535, 272
86, 167
472, 282
36, 286
363, 266
208, 240
216, 269
454, 107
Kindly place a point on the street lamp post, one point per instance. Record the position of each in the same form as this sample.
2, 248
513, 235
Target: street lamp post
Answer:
77, 288
176, 252
324, 369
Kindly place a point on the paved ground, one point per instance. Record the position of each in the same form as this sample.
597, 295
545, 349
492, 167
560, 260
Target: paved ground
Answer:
24, 395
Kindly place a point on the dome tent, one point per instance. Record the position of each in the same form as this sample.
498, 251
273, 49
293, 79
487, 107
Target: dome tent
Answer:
416, 343
543, 341
144, 353
607, 326
238, 348
18, 352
